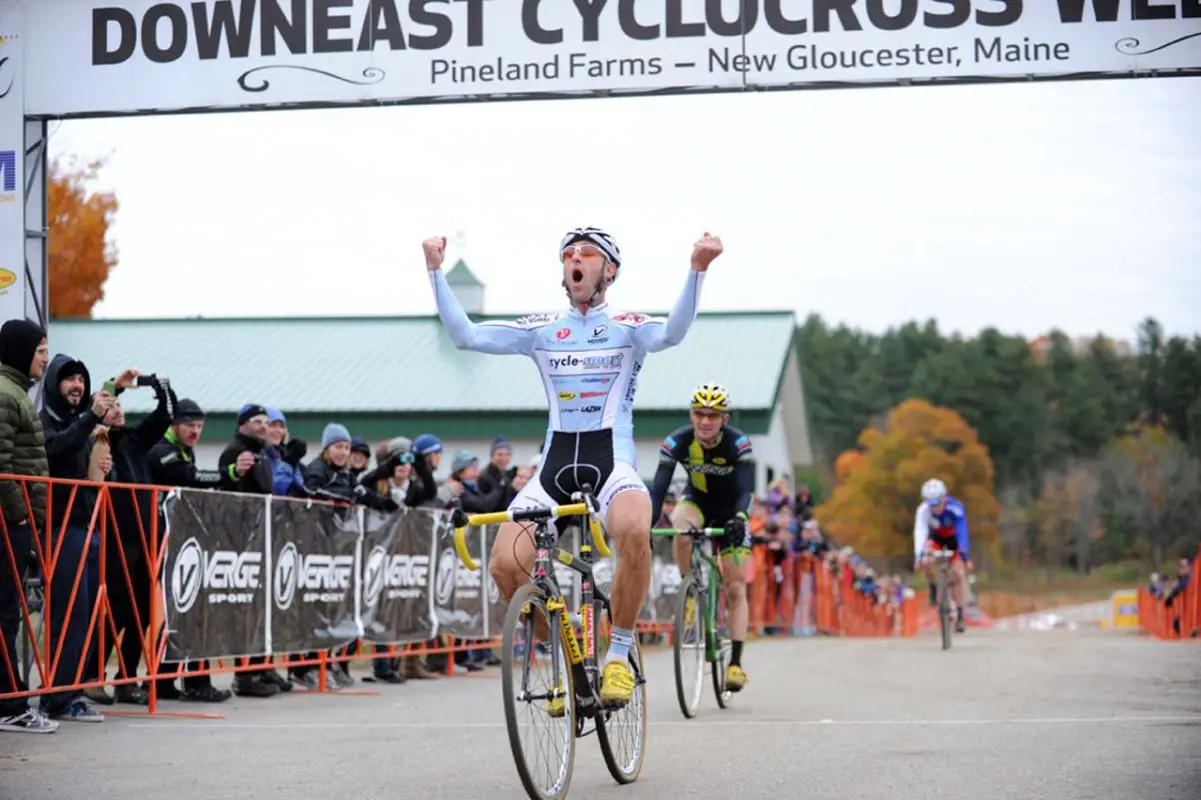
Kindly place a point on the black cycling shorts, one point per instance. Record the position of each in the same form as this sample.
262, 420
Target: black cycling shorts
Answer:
716, 516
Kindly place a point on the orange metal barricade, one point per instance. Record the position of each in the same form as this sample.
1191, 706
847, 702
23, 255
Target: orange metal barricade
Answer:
801, 594
1181, 620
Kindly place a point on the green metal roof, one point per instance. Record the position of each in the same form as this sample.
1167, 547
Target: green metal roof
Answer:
460, 275
400, 365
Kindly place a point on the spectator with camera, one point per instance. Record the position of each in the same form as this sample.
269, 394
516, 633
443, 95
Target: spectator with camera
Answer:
23, 360
172, 462
244, 467
284, 456
127, 574
77, 449
462, 485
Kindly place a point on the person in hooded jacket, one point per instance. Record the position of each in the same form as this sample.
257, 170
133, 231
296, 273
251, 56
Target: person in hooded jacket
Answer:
71, 418
134, 511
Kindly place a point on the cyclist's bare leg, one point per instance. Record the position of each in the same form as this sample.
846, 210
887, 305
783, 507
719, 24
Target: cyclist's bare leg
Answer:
628, 526
684, 516
931, 577
511, 562
733, 573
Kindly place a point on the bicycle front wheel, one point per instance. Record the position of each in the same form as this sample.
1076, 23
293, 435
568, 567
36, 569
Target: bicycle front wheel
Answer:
622, 732
689, 647
540, 708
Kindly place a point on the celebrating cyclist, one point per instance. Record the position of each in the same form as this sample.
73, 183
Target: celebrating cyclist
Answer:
589, 357
721, 486
941, 524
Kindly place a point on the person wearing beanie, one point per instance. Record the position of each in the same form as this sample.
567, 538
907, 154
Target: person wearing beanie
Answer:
244, 468
173, 463
284, 455
23, 360
243, 464
329, 478
495, 478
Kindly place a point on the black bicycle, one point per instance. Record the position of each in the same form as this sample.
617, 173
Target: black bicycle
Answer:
541, 633
945, 616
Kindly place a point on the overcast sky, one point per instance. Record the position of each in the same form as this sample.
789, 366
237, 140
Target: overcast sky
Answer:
1024, 206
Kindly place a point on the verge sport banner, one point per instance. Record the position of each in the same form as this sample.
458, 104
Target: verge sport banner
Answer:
314, 570
396, 601
215, 585
119, 56
459, 593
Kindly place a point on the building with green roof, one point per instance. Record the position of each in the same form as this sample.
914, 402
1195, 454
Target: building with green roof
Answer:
401, 376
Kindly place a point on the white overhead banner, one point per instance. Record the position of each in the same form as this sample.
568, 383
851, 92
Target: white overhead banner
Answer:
12, 169
116, 56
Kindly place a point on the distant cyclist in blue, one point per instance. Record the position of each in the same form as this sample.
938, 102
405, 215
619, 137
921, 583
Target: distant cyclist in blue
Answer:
941, 524
588, 357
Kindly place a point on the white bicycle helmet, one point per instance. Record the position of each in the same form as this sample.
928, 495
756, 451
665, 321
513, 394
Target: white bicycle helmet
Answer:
596, 236
934, 491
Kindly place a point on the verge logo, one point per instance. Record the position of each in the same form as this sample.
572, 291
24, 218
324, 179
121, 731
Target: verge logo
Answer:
392, 577
454, 579
223, 576
321, 578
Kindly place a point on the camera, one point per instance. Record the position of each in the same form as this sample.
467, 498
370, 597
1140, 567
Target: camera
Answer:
145, 380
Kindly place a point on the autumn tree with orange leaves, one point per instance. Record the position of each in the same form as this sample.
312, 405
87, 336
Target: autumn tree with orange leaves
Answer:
80, 253
879, 484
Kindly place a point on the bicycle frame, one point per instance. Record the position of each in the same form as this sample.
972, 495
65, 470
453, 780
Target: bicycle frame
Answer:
582, 662
706, 571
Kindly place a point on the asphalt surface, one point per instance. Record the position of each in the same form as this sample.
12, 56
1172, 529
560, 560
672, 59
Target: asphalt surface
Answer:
1022, 715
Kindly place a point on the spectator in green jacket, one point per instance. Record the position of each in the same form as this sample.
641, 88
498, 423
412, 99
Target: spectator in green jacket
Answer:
23, 359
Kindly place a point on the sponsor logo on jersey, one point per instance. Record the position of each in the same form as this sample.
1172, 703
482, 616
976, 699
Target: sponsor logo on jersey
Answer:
590, 409
586, 395
610, 360
631, 319
566, 395
562, 333
710, 469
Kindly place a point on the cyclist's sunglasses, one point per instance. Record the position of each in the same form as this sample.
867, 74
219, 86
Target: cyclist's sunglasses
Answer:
583, 248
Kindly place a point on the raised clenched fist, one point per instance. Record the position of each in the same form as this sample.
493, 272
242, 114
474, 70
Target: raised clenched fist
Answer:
435, 252
705, 250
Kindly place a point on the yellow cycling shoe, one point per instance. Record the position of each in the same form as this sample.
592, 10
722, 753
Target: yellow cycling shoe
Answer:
557, 707
617, 684
735, 678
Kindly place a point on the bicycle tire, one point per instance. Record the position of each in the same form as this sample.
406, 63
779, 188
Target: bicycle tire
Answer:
722, 646
628, 773
944, 609
509, 665
688, 705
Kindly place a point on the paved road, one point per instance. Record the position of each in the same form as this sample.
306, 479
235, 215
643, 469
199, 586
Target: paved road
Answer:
1022, 716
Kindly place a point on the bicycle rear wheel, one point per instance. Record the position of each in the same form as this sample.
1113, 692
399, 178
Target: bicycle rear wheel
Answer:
689, 647
722, 645
622, 732
527, 699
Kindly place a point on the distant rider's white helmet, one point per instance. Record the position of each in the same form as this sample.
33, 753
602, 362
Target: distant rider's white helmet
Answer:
934, 491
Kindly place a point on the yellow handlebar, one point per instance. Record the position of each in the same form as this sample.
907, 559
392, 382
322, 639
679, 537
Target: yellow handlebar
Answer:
461, 548
598, 537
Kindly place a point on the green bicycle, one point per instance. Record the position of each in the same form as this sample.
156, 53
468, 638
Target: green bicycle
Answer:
701, 632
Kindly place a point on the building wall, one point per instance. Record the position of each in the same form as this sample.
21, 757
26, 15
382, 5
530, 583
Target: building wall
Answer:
771, 450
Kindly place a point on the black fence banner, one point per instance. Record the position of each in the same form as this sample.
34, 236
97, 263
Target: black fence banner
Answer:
215, 583
396, 603
494, 620
314, 565
459, 605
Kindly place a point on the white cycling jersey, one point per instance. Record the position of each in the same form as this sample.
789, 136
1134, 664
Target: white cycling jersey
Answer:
589, 363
